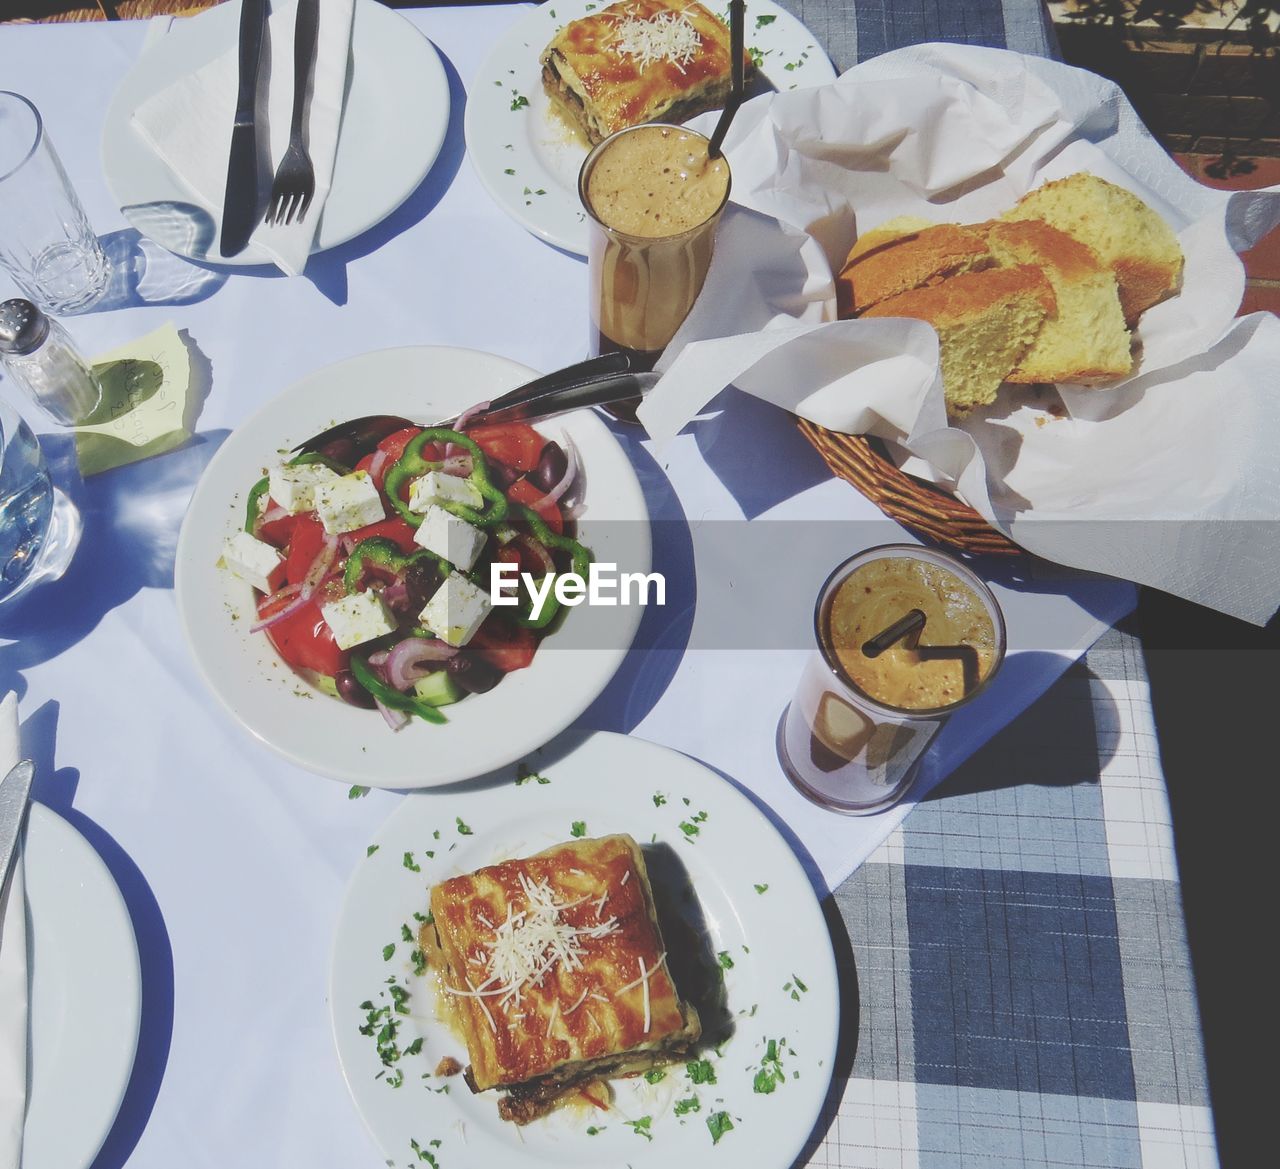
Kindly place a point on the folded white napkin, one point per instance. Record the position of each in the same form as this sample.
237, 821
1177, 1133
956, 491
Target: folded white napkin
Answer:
13, 973
189, 124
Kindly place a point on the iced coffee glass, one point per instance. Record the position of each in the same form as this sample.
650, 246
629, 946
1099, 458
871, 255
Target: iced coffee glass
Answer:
854, 734
653, 199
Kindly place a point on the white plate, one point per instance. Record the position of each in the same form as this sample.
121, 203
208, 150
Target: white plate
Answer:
484, 731
529, 159
86, 997
773, 938
394, 124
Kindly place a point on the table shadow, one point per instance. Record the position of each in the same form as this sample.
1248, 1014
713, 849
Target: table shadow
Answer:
131, 518
144, 273
56, 789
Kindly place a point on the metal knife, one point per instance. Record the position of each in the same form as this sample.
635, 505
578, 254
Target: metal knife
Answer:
13, 804
240, 204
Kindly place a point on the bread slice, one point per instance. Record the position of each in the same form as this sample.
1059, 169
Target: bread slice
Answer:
1085, 341
1127, 235
889, 260
986, 321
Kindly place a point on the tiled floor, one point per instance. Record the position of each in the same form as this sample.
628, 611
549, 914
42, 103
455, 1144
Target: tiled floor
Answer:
1262, 264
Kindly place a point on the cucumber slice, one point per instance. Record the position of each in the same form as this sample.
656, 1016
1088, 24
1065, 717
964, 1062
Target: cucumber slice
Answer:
438, 688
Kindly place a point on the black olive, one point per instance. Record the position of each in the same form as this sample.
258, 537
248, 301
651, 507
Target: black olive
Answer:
342, 451
349, 690
502, 476
473, 674
420, 581
552, 464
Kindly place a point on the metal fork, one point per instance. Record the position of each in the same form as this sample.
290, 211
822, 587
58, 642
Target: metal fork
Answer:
295, 181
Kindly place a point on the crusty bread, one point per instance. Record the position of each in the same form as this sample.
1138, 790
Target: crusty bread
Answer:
986, 321
888, 261
1127, 235
1085, 340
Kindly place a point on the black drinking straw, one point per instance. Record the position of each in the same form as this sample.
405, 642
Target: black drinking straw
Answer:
875, 646
737, 22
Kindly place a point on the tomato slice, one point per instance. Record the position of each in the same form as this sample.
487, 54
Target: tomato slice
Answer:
504, 646
304, 547
396, 529
512, 443
277, 532
522, 491
304, 640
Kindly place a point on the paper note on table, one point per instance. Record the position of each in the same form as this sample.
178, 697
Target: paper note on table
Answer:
146, 386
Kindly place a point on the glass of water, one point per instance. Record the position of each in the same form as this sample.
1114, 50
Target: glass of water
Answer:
46, 243
26, 501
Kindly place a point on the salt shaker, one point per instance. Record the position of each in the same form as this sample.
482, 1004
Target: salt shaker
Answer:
40, 356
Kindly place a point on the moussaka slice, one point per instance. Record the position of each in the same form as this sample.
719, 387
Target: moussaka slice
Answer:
554, 972
638, 61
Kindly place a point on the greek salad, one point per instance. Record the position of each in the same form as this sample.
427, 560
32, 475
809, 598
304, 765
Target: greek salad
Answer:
371, 554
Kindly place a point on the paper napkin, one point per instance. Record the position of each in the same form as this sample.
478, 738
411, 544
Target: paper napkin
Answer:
1167, 479
13, 973
189, 124
146, 403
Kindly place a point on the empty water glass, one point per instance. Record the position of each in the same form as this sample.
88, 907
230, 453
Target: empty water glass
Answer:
46, 242
26, 500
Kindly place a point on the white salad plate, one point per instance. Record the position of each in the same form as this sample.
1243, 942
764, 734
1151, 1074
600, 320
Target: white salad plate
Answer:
528, 157
484, 731
753, 918
86, 995
393, 126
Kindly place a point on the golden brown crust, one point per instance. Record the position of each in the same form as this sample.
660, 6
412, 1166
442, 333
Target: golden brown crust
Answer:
878, 270
1037, 242
968, 295
604, 90
573, 1015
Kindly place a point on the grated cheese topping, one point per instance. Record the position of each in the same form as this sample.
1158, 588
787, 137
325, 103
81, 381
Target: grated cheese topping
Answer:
668, 36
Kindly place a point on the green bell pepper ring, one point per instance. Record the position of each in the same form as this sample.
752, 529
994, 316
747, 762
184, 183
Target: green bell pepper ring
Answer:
411, 465
579, 556
391, 697
308, 458
252, 509
385, 554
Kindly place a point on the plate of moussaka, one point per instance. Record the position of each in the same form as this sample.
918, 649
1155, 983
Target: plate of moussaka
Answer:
577, 963
566, 75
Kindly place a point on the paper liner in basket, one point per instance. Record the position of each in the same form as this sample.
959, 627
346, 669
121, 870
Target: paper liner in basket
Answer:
1165, 478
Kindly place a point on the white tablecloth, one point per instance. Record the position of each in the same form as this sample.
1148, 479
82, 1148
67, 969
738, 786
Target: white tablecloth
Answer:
237, 861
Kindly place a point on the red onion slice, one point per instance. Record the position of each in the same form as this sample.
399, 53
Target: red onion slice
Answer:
457, 464
320, 566
273, 513
396, 719
537, 550
470, 413
407, 661
379, 461
288, 611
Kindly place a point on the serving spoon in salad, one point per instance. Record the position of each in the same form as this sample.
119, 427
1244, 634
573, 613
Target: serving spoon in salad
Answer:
598, 381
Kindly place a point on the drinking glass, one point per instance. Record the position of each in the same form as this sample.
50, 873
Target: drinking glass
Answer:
842, 744
26, 500
643, 284
46, 242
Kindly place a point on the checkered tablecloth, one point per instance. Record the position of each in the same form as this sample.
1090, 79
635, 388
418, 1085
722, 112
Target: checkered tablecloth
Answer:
1015, 957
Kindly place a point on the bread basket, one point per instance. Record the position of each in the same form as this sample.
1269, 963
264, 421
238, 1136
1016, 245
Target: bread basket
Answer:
925, 509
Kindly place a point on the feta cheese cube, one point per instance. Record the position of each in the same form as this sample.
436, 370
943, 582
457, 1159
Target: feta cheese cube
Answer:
358, 618
293, 487
348, 502
251, 560
446, 535
437, 487
456, 610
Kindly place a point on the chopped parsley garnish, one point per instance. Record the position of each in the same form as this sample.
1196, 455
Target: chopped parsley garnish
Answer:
592, 1130
718, 1123
726, 962
424, 918
700, 1071
762, 888
659, 799
655, 1075
414, 1047
795, 987
761, 21
419, 960
519, 101
400, 997
757, 57
410, 864
406, 933
508, 171
771, 1072
578, 828
356, 792
388, 950
395, 1079
689, 1104
463, 829
525, 773
688, 829
641, 1127
371, 850
425, 1154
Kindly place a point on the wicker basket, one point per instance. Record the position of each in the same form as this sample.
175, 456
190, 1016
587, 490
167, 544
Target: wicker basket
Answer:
920, 506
